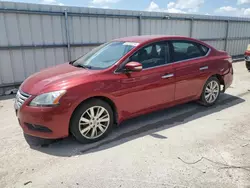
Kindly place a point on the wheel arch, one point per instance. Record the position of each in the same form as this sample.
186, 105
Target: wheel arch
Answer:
103, 98
221, 80
218, 76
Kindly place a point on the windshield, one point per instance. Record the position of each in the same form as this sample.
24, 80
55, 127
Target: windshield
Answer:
105, 55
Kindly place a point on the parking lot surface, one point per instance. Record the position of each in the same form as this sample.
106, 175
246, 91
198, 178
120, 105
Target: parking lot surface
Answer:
184, 146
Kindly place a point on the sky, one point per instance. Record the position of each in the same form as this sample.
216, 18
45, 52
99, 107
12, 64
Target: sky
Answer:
239, 8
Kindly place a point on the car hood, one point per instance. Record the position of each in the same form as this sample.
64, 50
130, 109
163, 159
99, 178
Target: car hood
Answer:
55, 78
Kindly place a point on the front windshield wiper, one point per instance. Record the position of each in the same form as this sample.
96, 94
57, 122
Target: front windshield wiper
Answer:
71, 62
83, 66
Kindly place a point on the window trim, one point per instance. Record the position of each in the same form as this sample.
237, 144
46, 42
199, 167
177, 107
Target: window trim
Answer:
119, 69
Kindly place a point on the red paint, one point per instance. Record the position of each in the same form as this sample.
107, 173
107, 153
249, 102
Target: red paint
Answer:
133, 66
133, 94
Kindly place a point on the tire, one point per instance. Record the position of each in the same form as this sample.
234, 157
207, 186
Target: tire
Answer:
204, 100
248, 65
84, 121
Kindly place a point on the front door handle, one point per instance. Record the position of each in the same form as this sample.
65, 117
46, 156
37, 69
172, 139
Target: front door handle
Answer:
204, 68
167, 76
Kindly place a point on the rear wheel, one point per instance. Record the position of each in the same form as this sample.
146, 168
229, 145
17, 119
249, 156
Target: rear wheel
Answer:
211, 92
92, 121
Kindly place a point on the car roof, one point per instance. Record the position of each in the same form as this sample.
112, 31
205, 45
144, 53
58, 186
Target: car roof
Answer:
149, 38
145, 39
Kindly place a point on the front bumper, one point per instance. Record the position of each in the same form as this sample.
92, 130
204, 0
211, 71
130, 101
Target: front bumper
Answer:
44, 122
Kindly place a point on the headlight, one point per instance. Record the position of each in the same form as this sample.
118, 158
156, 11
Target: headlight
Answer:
48, 99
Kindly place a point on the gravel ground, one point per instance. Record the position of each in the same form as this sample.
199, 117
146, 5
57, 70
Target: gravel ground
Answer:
185, 146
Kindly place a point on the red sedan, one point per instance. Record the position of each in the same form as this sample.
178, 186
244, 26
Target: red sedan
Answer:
119, 80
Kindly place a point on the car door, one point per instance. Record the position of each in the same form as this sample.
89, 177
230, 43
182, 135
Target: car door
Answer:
153, 86
187, 58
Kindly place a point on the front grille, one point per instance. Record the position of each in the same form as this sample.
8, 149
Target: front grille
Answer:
21, 97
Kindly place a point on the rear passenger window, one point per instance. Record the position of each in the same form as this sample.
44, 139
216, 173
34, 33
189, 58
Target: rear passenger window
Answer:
204, 49
183, 50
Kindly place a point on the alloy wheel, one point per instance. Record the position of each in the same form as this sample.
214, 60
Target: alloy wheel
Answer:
94, 122
212, 91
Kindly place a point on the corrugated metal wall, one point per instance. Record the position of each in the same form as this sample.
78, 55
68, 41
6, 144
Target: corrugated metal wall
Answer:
33, 37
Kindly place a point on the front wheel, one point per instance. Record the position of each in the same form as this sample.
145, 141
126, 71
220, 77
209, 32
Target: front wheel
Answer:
92, 121
211, 92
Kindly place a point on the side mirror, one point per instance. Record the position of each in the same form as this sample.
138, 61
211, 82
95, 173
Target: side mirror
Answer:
133, 66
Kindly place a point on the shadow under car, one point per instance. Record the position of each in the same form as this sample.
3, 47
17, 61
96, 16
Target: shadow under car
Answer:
148, 124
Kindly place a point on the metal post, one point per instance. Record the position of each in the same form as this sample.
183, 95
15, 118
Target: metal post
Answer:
226, 39
191, 27
67, 34
140, 24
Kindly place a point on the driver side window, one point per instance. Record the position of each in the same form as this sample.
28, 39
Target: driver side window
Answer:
152, 55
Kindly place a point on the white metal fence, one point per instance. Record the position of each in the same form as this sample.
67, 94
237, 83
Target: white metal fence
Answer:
33, 37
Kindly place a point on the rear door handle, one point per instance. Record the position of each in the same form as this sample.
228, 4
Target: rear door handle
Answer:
204, 68
167, 76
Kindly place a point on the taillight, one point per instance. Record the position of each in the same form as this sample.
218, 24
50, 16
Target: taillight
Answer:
230, 60
247, 52
230, 64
